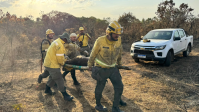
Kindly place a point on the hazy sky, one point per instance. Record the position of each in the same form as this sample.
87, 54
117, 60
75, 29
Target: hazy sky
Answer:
97, 8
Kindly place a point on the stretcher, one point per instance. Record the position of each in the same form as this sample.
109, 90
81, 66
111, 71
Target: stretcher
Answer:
81, 64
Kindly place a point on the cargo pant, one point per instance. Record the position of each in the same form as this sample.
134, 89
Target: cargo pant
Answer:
85, 48
102, 75
45, 74
55, 76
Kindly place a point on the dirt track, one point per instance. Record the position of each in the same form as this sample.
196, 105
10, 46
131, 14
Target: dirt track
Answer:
148, 87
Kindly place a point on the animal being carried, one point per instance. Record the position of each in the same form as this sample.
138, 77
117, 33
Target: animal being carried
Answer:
79, 61
72, 51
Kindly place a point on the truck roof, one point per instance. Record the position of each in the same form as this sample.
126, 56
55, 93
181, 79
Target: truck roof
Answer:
169, 29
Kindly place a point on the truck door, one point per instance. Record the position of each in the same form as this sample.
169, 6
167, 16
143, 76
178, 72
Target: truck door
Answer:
176, 42
183, 40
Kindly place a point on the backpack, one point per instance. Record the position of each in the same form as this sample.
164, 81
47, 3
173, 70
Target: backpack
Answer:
43, 52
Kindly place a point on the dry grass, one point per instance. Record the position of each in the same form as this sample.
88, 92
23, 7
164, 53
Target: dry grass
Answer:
149, 87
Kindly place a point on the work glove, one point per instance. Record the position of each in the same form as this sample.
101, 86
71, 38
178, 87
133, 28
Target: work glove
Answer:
86, 52
66, 57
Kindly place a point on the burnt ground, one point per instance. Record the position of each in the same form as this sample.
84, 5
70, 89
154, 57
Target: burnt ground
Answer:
148, 87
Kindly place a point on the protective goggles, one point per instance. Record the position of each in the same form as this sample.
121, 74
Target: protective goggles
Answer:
117, 30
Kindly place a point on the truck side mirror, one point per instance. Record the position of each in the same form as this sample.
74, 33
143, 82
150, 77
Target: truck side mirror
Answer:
186, 32
177, 38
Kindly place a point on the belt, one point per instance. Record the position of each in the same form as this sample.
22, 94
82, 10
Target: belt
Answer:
85, 46
97, 65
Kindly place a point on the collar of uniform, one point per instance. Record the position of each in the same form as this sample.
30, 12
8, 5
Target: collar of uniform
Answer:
109, 42
61, 41
85, 34
72, 42
51, 40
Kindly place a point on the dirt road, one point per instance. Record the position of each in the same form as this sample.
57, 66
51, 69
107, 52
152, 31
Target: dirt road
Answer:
148, 87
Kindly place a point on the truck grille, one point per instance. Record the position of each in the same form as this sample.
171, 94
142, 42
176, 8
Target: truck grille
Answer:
143, 52
145, 47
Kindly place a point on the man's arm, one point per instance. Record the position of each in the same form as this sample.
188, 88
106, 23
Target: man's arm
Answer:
60, 55
78, 36
119, 59
88, 36
94, 53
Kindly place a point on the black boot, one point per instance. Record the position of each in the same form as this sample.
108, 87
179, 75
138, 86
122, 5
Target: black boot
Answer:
67, 96
122, 103
48, 91
116, 109
76, 83
64, 75
101, 108
74, 78
39, 79
55, 85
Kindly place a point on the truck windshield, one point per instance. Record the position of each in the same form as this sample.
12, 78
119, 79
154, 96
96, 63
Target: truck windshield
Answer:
162, 35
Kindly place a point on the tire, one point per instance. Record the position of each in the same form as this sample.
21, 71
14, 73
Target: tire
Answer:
136, 60
168, 59
187, 52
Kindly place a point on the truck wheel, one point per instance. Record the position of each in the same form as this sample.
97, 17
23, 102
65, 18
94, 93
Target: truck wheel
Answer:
136, 60
168, 59
187, 52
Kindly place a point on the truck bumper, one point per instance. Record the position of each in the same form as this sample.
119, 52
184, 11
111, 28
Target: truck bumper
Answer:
149, 57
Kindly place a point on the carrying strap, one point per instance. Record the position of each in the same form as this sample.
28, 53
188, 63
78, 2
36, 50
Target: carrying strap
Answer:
83, 39
42, 42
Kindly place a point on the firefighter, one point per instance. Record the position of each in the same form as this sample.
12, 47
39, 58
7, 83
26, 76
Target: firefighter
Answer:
53, 61
83, 41
44, 47
105, 54
73, 51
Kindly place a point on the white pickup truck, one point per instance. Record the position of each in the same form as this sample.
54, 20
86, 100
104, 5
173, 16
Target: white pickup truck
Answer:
161, 45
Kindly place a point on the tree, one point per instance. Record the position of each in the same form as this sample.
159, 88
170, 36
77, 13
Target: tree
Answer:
174, 17
127, 19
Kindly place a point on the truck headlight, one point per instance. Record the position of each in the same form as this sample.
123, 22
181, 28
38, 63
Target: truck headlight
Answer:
160, 47
132, 46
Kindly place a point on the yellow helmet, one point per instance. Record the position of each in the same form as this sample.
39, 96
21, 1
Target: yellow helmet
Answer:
49, 31
81, 28
114, 27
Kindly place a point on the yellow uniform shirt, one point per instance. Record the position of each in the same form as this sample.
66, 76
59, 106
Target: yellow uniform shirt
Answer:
106, 53
55, 54
85, 40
